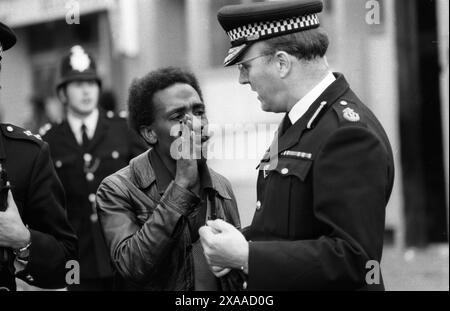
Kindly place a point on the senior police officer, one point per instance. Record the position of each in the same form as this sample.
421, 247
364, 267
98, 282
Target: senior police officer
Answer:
86, 147
36, 240
324, 184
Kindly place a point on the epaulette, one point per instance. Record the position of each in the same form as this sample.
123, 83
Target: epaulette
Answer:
16, 132
347, 112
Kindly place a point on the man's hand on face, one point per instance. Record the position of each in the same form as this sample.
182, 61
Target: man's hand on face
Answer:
13, 232
187, 167
224, 246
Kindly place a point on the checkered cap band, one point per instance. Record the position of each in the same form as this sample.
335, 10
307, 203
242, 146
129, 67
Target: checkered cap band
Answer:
260, 30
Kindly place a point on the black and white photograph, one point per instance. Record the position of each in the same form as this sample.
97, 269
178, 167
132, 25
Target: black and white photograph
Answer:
224, 151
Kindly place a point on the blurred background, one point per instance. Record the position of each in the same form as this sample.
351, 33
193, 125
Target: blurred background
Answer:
398, 65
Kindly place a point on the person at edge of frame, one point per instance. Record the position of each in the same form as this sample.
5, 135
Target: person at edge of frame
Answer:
36, 240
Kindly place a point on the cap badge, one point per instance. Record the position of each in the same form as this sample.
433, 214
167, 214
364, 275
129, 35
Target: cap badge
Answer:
253, 37
351, 115
79, 60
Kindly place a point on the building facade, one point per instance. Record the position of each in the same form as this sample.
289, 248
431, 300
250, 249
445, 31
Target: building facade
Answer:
132, 37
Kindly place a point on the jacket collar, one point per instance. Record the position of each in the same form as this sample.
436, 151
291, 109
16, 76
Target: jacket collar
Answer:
330, 96
145, 175
2, 144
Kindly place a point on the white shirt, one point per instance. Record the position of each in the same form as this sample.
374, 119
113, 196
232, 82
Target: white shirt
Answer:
90, 121
303, 104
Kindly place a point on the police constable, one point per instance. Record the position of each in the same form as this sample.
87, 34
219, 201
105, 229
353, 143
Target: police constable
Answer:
36, 240
88, 146
324, 184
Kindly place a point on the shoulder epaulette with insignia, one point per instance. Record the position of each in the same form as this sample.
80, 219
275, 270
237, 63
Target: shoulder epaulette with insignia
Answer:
347, 112
16, 132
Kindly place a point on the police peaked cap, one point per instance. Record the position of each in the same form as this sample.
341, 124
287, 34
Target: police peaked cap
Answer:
249, 23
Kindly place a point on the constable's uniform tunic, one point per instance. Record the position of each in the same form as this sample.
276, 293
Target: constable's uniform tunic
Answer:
325, 196
81, 172
39, 197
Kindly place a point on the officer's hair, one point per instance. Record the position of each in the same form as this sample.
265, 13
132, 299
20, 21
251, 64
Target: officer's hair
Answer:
141, 107
304, 45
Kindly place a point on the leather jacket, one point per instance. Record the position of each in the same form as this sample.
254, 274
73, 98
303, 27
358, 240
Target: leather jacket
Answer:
146, 229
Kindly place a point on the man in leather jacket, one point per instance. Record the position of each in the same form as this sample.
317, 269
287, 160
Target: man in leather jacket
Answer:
151, 210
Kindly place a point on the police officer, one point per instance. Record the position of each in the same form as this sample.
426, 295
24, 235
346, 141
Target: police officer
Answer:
324, 184
88, 146
36, 240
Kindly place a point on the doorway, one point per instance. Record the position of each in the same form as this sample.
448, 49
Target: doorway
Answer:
421, 123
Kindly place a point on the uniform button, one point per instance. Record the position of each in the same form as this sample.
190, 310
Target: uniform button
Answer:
94, 217
90, 176
258, 205
244, 285
87, 157
115, 154
110, 114
343, 103
284, 171
58, 164
9, 129
92, 198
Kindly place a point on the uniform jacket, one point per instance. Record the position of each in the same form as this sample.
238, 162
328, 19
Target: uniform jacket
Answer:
39, 197
321, 199
146, 226
81, 172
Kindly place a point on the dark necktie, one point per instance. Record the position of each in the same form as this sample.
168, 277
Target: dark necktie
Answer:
84, 137
286, 125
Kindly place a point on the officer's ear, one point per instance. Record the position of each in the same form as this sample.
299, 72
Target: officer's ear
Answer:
62, 94
284, 63
148, 135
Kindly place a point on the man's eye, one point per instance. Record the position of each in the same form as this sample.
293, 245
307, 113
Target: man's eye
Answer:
176, 117
199, 112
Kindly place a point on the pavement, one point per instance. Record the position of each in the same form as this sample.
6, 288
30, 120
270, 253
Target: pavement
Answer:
414, 269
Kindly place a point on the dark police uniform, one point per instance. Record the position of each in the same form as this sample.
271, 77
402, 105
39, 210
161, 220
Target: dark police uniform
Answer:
81, 172
39, 196
324, 184
82, 168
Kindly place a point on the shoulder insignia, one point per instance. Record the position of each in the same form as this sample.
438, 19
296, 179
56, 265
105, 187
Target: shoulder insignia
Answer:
350, 115
44, 129
28, 133
16, 132
347, 111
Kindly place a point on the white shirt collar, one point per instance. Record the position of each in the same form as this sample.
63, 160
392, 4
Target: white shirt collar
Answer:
303, 104
90, 121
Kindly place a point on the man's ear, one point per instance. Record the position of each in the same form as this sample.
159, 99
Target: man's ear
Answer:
62, 95
148, 135
284, 63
